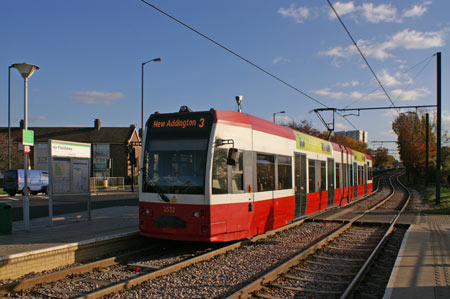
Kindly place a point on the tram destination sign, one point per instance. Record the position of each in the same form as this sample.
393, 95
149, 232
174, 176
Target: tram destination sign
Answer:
189, 123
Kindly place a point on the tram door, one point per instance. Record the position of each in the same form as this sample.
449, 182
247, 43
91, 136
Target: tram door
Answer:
365, 179
300, 185
330, 180
355, 178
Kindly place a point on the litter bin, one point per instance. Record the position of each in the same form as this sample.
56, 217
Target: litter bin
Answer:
5, 218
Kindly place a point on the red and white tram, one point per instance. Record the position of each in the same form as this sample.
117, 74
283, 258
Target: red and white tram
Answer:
218, 176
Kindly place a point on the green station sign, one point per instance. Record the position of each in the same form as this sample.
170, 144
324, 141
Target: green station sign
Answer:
28, 137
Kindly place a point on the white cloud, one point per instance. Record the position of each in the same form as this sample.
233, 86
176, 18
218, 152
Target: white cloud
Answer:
389, 133
409, 95
445, 120
279, 59
38, 118
352, 83
97, 97
391, 113
341, 126
406, 39
337, 95
282, 119
396, 79
339, 51
299, 14
368, 11
380, 13
396, 94
415, 11
342, 8
412, 39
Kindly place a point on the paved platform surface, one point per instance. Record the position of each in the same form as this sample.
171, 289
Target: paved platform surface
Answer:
422, 268
69, 228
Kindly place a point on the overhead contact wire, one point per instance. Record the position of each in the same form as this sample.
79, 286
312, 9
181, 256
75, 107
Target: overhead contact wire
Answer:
362, 55
236, 54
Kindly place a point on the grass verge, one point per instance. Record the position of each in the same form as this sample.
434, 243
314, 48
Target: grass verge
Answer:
428, 195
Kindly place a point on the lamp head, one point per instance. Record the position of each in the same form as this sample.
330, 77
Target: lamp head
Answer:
239, 102
238, 99
25, 69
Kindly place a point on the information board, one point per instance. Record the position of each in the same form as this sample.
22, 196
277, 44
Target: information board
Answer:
69, 170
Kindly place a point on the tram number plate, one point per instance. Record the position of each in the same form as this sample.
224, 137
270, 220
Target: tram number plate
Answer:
169, 209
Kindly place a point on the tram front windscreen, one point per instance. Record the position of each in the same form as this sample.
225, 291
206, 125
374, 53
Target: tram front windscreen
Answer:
175, 153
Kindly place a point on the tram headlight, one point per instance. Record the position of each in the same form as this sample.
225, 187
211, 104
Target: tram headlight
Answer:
196, 214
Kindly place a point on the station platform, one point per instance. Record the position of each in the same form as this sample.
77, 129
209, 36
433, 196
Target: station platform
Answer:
422, 268
67, 239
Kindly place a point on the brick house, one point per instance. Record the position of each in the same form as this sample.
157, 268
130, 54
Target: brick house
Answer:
109, 147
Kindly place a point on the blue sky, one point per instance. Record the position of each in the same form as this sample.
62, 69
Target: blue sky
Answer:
90, 54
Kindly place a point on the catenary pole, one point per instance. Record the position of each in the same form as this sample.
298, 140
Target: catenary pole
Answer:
9, 117
427, 146
438, 129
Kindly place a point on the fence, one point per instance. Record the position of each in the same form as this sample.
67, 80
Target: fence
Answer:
99, 184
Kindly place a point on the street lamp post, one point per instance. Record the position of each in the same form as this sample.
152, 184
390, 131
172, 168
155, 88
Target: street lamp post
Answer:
9, 117
142, 92
276, 114
26, 70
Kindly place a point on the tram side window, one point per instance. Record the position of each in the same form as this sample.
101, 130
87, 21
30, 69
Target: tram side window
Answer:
237, 173
350, 171
323, 175
360, 175
284, 172
338, 175
265, 172
219, 172
312, 176
344, 174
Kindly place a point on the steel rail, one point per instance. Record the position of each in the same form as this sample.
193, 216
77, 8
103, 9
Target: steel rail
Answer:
171, 269
58, 275
50, 277
274, 274
61, 274
355, 282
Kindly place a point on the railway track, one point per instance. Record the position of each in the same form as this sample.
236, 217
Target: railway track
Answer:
218, 273
333, 267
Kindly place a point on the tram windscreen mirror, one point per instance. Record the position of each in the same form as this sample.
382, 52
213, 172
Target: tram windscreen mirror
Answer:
231, 160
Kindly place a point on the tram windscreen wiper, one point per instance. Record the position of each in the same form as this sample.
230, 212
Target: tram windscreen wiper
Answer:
159, 191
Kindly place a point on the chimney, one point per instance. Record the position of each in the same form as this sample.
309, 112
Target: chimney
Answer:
97, 124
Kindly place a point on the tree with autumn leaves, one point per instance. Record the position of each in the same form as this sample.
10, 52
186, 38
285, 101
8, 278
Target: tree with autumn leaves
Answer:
411, 139
381, 158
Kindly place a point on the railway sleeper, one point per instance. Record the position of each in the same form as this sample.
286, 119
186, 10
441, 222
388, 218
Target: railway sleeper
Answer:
297, 289
143, 267
266, 296
349, 249
324, 273
339, 259
332, 264
96, 282
360, 245
289, 276
370, 296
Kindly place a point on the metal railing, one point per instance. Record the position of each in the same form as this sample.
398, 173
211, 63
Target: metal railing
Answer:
99, 184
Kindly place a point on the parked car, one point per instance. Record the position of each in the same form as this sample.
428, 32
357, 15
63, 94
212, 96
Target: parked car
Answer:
15, 179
